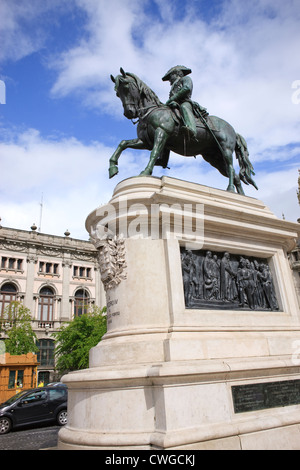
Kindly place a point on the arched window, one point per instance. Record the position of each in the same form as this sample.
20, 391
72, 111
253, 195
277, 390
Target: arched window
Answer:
81, 303
8, 294
46, 303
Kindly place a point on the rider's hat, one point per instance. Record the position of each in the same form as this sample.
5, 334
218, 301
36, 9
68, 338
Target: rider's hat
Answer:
177, 68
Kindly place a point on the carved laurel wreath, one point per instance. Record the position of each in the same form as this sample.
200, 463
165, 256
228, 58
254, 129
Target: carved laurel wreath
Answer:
112, 261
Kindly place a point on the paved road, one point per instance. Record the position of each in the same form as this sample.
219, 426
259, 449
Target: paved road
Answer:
30, 438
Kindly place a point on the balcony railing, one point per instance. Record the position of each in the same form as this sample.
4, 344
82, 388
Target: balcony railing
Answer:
46, 324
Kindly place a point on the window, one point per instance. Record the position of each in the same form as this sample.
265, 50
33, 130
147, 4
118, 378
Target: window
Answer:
44, 376
34, 397
46, 269
15, 378
45, 355
8, 294
81, 303
49, 268
20, 377
57, 394
11, 379
11, 264
82, 272
46, 304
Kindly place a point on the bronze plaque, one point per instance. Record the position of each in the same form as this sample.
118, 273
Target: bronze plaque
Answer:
260, 396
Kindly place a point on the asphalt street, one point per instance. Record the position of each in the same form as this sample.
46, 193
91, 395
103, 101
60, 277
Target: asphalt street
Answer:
30, 438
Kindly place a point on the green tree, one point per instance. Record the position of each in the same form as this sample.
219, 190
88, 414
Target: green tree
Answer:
74, 341
17, 323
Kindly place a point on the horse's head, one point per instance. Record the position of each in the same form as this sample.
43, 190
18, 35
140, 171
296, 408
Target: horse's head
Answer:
134, 94
127, 91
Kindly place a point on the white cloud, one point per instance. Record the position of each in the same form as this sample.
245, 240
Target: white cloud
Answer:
278, 190
107, 38
22, 26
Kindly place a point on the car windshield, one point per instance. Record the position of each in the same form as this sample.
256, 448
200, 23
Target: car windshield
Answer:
14, 398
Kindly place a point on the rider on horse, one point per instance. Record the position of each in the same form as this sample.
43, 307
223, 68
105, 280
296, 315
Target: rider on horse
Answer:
180, 96
157, 129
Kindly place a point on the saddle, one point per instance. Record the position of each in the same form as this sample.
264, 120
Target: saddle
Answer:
202, 117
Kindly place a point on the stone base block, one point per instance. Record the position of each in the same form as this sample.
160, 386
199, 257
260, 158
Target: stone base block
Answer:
178, 405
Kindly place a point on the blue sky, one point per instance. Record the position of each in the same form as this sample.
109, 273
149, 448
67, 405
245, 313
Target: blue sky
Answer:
61, 120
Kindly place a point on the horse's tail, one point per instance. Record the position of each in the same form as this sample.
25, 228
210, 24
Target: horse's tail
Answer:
242, 154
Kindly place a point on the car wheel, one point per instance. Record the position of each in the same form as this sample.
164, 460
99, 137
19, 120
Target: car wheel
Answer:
5, 425
62, 417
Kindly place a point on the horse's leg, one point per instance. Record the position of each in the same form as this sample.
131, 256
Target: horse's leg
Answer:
227, 152
124, 144
160, 138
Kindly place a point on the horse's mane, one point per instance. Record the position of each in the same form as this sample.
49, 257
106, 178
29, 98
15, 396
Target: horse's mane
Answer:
149, 94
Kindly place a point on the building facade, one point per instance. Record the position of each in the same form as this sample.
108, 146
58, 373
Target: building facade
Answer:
56, 278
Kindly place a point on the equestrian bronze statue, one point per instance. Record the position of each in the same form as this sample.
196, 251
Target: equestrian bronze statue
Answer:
181, 126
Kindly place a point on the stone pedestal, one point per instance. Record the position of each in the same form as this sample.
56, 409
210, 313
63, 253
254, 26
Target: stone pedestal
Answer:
180, 368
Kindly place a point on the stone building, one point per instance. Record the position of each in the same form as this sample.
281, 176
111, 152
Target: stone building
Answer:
56, 278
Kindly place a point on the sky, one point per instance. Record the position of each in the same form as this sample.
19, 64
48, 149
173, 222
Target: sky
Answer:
60, 119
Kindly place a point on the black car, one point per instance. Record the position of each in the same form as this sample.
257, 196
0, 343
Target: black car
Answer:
38, 405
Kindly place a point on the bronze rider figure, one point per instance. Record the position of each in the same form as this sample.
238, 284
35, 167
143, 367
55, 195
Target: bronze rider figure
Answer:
180, 96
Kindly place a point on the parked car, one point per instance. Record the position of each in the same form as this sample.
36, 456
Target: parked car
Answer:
38, 405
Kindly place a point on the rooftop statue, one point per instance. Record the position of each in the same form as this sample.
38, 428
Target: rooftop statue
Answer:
180, 125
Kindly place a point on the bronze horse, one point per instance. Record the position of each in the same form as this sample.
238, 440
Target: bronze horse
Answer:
159, 130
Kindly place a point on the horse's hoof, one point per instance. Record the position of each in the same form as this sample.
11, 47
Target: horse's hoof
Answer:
145, 173
231, 188
240, 191
113, 170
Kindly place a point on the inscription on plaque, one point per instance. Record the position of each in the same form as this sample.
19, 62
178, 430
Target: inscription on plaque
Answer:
215, 280
266, 395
